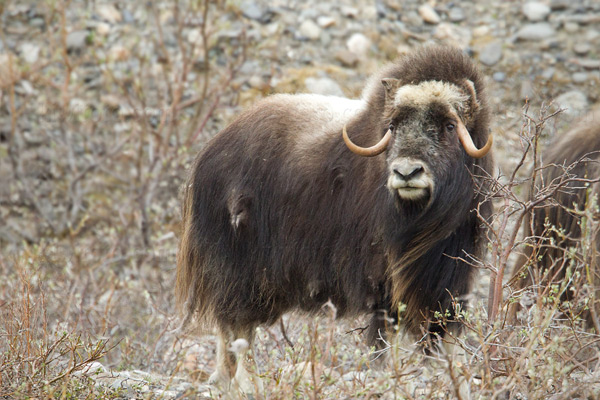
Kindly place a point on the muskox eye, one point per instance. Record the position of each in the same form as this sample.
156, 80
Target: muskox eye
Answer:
449, 127
391, 127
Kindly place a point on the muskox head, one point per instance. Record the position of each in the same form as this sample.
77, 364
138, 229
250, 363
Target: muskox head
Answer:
426, 133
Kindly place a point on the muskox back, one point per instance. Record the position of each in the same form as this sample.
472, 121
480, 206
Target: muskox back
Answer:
557, 242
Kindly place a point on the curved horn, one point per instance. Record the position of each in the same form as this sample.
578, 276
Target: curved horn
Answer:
467, 142
367, 151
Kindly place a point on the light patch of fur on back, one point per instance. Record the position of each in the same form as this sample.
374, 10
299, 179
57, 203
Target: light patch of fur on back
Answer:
314, 116
425, 93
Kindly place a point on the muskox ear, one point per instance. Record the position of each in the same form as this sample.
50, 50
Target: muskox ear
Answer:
472, 93
391, 86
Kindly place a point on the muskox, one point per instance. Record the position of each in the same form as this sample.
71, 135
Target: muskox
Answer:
570, 173
286, 210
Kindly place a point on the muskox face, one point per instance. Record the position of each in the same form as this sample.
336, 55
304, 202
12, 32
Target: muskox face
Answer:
425, 120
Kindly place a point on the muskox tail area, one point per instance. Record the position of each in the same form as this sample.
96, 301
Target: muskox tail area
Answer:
190, 302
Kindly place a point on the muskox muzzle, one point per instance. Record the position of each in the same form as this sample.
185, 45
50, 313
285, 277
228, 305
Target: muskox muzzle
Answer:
410, 179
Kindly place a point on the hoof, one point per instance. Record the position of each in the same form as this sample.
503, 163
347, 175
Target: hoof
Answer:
219, 379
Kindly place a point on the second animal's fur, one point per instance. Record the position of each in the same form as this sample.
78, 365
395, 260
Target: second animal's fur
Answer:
555, 230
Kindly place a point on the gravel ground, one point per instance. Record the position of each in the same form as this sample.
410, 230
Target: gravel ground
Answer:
534, 53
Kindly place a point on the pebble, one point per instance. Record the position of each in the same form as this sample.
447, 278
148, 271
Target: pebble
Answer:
359, 44
537, 31
428, 14
347, 58
574, 102
76, 40
560, 4
491, 53
325, 21
453, 34
258, 82
456, 14
535, 11
128, 17
30, 52
580, 77
255, 11
118, 52
499, 76
526, 91
103, 29
481, 31
548, 73
111, 101
588, 63
325, 86
310, 30
582, 49
109, 13
349, 12
571, 27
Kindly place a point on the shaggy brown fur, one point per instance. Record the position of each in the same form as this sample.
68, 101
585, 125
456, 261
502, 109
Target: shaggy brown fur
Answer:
279, 215
575, 154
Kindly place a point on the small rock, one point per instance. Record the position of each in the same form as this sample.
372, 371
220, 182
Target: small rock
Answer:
355, 376
109, 13
560, 4
428, 14
548, 73
30, 52
77, 105
128, 17
481, 31
27, 87
580, 77
103, 29
535, 11
588, 63
94, 368
582, 49
455, 35
257, 82
76, 40
499, 76
118, 53
310, 30
526, 91
491, 53
359, 44
537, 31
571, 27
194, 35
456, 14
325, 86
592, 34
111, 101
347, 58
325, 21
574, 102
349, 12
255, 11
411, 18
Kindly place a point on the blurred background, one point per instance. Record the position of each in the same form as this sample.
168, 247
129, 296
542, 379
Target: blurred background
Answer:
104, 104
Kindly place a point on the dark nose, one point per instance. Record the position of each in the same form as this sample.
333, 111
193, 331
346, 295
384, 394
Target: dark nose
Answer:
408, 170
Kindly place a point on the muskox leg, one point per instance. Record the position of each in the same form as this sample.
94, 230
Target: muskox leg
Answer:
234, 355
246, 374
380, 327
225, 360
